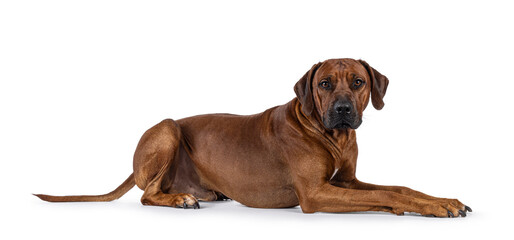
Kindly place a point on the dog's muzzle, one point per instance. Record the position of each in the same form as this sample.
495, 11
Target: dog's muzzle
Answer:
342, 114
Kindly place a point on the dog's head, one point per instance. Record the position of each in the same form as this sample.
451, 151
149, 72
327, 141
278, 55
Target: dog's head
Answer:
339, 90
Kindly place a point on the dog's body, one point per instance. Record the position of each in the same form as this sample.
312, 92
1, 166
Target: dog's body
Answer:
301, 153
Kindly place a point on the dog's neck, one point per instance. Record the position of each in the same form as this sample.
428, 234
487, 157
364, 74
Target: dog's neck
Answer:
336, 139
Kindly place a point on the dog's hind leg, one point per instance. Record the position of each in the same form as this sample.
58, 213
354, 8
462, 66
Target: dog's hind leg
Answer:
157, 149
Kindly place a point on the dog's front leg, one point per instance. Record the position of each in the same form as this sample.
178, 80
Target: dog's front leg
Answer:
328, 198
348, 180
356, 184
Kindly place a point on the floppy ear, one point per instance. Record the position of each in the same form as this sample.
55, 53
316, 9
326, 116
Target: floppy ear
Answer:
378, 85
303, 90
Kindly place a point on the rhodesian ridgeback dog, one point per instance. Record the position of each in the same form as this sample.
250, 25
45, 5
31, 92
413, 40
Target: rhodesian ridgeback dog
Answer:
301, 153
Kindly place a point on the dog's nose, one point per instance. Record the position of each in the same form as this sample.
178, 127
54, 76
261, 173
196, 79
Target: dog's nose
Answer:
343, 108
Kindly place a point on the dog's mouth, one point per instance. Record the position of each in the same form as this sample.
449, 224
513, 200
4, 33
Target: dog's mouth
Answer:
344, 125
341, 124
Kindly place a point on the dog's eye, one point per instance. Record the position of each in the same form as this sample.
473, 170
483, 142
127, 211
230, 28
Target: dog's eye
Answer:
325, 84
357, 83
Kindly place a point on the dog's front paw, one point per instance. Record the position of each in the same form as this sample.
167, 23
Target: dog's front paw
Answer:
445, 208
455, 204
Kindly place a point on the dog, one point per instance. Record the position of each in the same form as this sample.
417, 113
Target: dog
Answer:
301, 153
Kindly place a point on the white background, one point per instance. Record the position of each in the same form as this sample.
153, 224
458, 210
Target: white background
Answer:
82, 80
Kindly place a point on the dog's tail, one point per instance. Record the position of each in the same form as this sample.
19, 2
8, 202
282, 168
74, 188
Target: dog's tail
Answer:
117, 193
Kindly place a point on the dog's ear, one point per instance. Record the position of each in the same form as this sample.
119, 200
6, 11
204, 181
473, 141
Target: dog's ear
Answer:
303, 90
378, 85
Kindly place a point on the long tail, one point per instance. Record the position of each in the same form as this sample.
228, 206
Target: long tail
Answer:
117, 193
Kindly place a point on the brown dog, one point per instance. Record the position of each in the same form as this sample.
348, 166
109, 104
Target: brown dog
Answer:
303, 152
